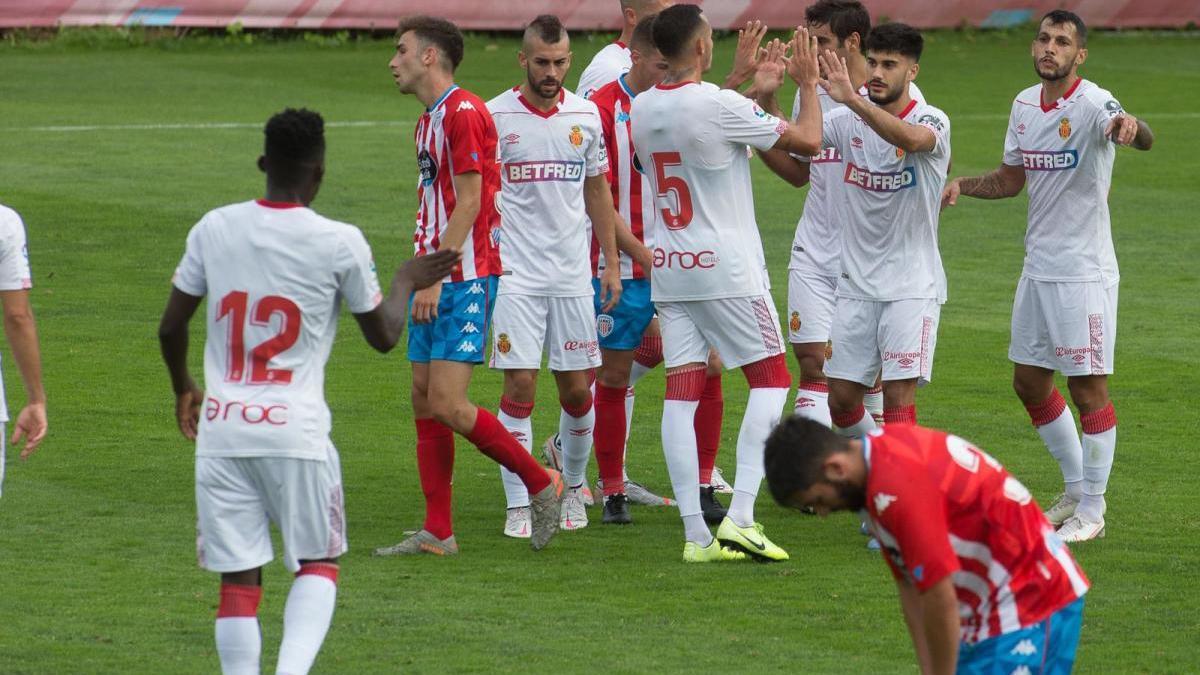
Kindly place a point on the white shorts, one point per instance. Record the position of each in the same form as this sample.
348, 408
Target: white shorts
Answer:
1068, 326
525, 325
897, 336
238, 497
810, 306
742, 330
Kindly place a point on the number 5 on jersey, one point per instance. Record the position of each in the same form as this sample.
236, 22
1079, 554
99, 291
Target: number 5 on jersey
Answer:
679, 217
234, 305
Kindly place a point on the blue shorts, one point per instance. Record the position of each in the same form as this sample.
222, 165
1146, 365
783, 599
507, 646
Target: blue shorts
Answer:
622, 327
459, 333
1045, 648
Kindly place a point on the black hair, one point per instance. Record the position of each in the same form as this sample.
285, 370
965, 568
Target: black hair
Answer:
794, 455
896, 37
1059, 17
295, 140
674, 28
547, 27
436, 31
843, 17
643, 34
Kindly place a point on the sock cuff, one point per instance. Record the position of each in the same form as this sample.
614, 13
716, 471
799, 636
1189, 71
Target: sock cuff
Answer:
905, 414
769, 373
514, 409
429, 428
238, 600
319, 569
610, 394
875, 390
582, 409
1099, 421
686, 385
814, 385
649, 353
849, 419
1047, 411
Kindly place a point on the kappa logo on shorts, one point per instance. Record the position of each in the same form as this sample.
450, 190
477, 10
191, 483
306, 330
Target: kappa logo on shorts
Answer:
476, 289
604, 325
466, 348
469, 328
473, 308
502, 344
794, 324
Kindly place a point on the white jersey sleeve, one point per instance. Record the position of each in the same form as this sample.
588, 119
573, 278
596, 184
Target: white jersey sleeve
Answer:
357, 281
1012, 145
189, 274
743, 121
607, 65
14, 254
936, 121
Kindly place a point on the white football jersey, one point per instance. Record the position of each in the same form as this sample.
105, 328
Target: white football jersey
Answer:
275, 275
1068, 165
891, 203
817, 246
692, 140
607, 65
14, 268
544, 159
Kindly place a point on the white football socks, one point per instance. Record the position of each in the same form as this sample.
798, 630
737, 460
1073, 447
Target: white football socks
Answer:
812, 404
575, 440
1062, 440
683, 465
763, 410
858, 428
522, 429
1098, 451
306, 618
239, 644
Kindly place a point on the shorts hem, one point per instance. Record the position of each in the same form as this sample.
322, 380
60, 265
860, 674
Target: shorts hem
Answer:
229, 568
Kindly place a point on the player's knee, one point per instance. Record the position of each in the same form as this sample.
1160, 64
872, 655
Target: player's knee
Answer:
812, 366
575, 398
1088, 393
612, 378
1030, 392
520, 385
844, 397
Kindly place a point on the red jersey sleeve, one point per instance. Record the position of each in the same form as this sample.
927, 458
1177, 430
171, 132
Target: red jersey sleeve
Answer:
465, 130
910, 508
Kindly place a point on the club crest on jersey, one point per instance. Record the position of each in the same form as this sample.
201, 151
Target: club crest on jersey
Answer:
502, 344
1064, 128
794, 324
576, 136
427, 167
899, 153
604, 325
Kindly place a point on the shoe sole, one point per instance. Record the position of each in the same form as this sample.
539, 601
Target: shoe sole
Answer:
751, 552
617, 521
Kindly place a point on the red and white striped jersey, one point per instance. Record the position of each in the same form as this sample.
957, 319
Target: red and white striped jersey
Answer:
631, 190
456, 135
942, 507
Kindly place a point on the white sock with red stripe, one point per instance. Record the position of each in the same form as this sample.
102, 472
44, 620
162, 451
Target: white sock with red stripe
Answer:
575, 436
873, 402
239, 640
679, 448
306, 617
855, 423
1056, 425
515, 417
769, 382
812, 402
1099, 446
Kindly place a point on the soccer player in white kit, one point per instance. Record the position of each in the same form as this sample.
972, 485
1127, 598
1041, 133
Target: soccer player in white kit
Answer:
1062, 138
614, 59
710, 281
21, 332
276, 273
552, 182
896, 151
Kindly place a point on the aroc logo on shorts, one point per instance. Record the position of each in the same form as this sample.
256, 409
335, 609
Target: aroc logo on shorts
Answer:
216, 410
685, 260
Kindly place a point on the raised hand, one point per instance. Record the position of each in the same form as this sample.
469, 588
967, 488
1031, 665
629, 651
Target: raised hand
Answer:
802, 66
768, 76
746, 56
837, 77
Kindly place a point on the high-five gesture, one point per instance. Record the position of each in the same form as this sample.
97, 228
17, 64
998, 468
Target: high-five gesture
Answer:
837, 78
746, 57
803, 67
768, 76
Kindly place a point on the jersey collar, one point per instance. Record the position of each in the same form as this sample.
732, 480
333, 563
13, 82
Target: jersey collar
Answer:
675, 85
562, 94
625, 86
442, 98
278, 205
1052, 106
907, 109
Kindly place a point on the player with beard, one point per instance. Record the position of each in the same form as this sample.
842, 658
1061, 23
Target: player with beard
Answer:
985, 584
553, 163
710, 282
889, 295
840, 26
1062, 139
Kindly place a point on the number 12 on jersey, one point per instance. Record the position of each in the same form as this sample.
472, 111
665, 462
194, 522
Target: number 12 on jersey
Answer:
679, 217
234, 306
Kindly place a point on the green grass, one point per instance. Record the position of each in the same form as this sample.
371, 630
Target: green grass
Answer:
97, 572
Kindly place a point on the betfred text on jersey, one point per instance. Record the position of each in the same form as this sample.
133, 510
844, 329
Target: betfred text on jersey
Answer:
1049, 160
880, 182
685, 260
827, 156
216, 410
536, 172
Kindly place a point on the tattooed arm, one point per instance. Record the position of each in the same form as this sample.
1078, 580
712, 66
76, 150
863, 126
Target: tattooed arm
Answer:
1006, 181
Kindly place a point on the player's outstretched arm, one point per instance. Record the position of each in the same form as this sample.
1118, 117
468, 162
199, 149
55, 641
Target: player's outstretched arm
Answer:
803, 137
745, 57
1125, 129
468, 188
907, 137
597, 200
383, 326
173, 341
1005, 181
21, 330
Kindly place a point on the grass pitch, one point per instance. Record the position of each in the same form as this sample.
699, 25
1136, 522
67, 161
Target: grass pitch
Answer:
112, 152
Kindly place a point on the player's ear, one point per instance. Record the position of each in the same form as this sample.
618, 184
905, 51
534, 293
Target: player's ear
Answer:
913, 70
1081, 56
834, 467
522, 60
853, 43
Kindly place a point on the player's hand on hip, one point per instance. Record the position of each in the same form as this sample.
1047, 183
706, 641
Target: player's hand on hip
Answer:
31, 426
425, 303
610, 288
837, 77
950, 193
426, 270
187, 411
1122, 129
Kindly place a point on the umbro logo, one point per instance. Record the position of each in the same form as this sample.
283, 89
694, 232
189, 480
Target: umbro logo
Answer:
469, 328
465, 105
476, 289
882, 501
466, 348
1024, 648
